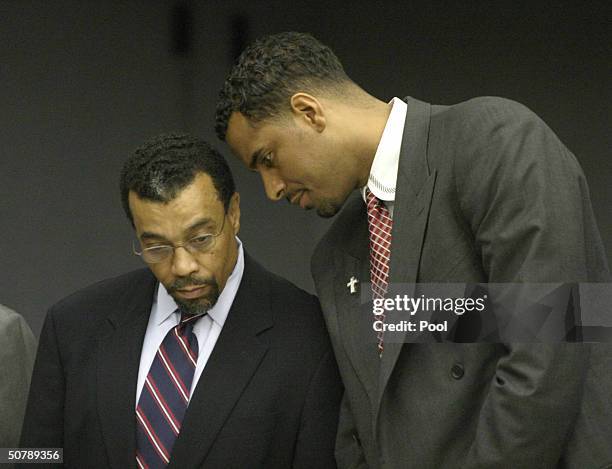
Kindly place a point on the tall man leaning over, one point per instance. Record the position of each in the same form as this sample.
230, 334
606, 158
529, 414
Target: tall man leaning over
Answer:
202, 359
481, 191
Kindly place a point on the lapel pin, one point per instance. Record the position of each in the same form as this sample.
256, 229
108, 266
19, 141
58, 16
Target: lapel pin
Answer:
352, 285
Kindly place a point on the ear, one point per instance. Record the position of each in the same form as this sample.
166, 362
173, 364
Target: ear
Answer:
233, 212
308, 109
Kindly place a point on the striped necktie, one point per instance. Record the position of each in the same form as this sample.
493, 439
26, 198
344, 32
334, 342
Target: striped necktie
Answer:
380, 225
165, 395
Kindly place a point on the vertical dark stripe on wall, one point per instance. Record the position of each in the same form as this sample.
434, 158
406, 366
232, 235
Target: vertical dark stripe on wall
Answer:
181, 29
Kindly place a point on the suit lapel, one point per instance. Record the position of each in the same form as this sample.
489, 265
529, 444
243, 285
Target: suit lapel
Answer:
235, 358
355, 316
415, 185
118, 359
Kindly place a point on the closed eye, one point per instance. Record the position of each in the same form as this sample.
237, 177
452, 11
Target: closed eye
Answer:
201, 240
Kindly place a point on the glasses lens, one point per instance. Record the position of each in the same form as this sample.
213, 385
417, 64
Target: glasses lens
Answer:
156, 254
202, 243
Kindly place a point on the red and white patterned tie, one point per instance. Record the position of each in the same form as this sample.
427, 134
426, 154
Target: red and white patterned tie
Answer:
380, 225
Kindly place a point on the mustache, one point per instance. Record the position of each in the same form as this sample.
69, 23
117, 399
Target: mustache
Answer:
184, 282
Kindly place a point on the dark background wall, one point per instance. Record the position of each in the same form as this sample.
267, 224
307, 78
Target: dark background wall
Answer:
85, 82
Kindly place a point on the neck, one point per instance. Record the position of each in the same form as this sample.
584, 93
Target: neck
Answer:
367, 136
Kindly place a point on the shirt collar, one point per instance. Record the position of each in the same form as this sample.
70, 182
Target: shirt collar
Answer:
383, 173
166, 306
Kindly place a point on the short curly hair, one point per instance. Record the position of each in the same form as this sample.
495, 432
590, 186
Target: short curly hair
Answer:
167, 164
270, 71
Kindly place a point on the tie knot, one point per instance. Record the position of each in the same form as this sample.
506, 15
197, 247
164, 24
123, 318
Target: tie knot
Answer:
187, 318
187, 321
370, 197
373, 202
376, 208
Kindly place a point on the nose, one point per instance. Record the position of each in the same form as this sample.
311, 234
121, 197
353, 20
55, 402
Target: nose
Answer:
274, 186
183, 262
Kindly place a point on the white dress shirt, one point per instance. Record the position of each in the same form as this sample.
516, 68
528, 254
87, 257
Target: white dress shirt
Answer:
383, 173
164, 317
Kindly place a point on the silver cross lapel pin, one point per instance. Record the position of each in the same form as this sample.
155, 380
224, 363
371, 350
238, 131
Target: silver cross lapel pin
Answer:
352, 285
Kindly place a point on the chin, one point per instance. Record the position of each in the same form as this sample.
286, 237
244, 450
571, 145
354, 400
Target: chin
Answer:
326, 213
199, 305
328, 209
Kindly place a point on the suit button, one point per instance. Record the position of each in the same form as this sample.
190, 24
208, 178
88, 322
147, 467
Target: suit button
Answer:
457, 371
356, 439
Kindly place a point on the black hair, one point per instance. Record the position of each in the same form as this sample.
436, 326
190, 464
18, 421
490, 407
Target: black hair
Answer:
165, 165
270, 71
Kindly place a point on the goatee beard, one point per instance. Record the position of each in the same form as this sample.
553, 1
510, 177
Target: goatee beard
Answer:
197, 305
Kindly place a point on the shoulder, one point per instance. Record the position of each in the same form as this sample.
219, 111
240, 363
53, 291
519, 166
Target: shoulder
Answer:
484, 108
11, 321
487, 132
18, 341
480, 120
104, 296
8, 316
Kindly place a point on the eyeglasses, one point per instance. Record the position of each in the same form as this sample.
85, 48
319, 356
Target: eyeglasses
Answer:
199, 244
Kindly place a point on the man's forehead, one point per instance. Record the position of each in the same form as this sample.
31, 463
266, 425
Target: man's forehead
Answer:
171, 220
200, 194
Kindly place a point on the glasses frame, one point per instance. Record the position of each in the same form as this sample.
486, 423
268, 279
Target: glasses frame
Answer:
185, 245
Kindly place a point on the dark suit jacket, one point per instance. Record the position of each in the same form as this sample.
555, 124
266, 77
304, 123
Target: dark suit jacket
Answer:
485, 193
267, 398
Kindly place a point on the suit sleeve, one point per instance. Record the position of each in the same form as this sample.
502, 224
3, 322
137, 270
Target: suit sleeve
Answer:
43, 425
319, 420
16, 361
525, 199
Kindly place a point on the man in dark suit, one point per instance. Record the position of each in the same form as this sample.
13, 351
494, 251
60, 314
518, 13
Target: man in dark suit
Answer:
482, 191
205, 359
16, 361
